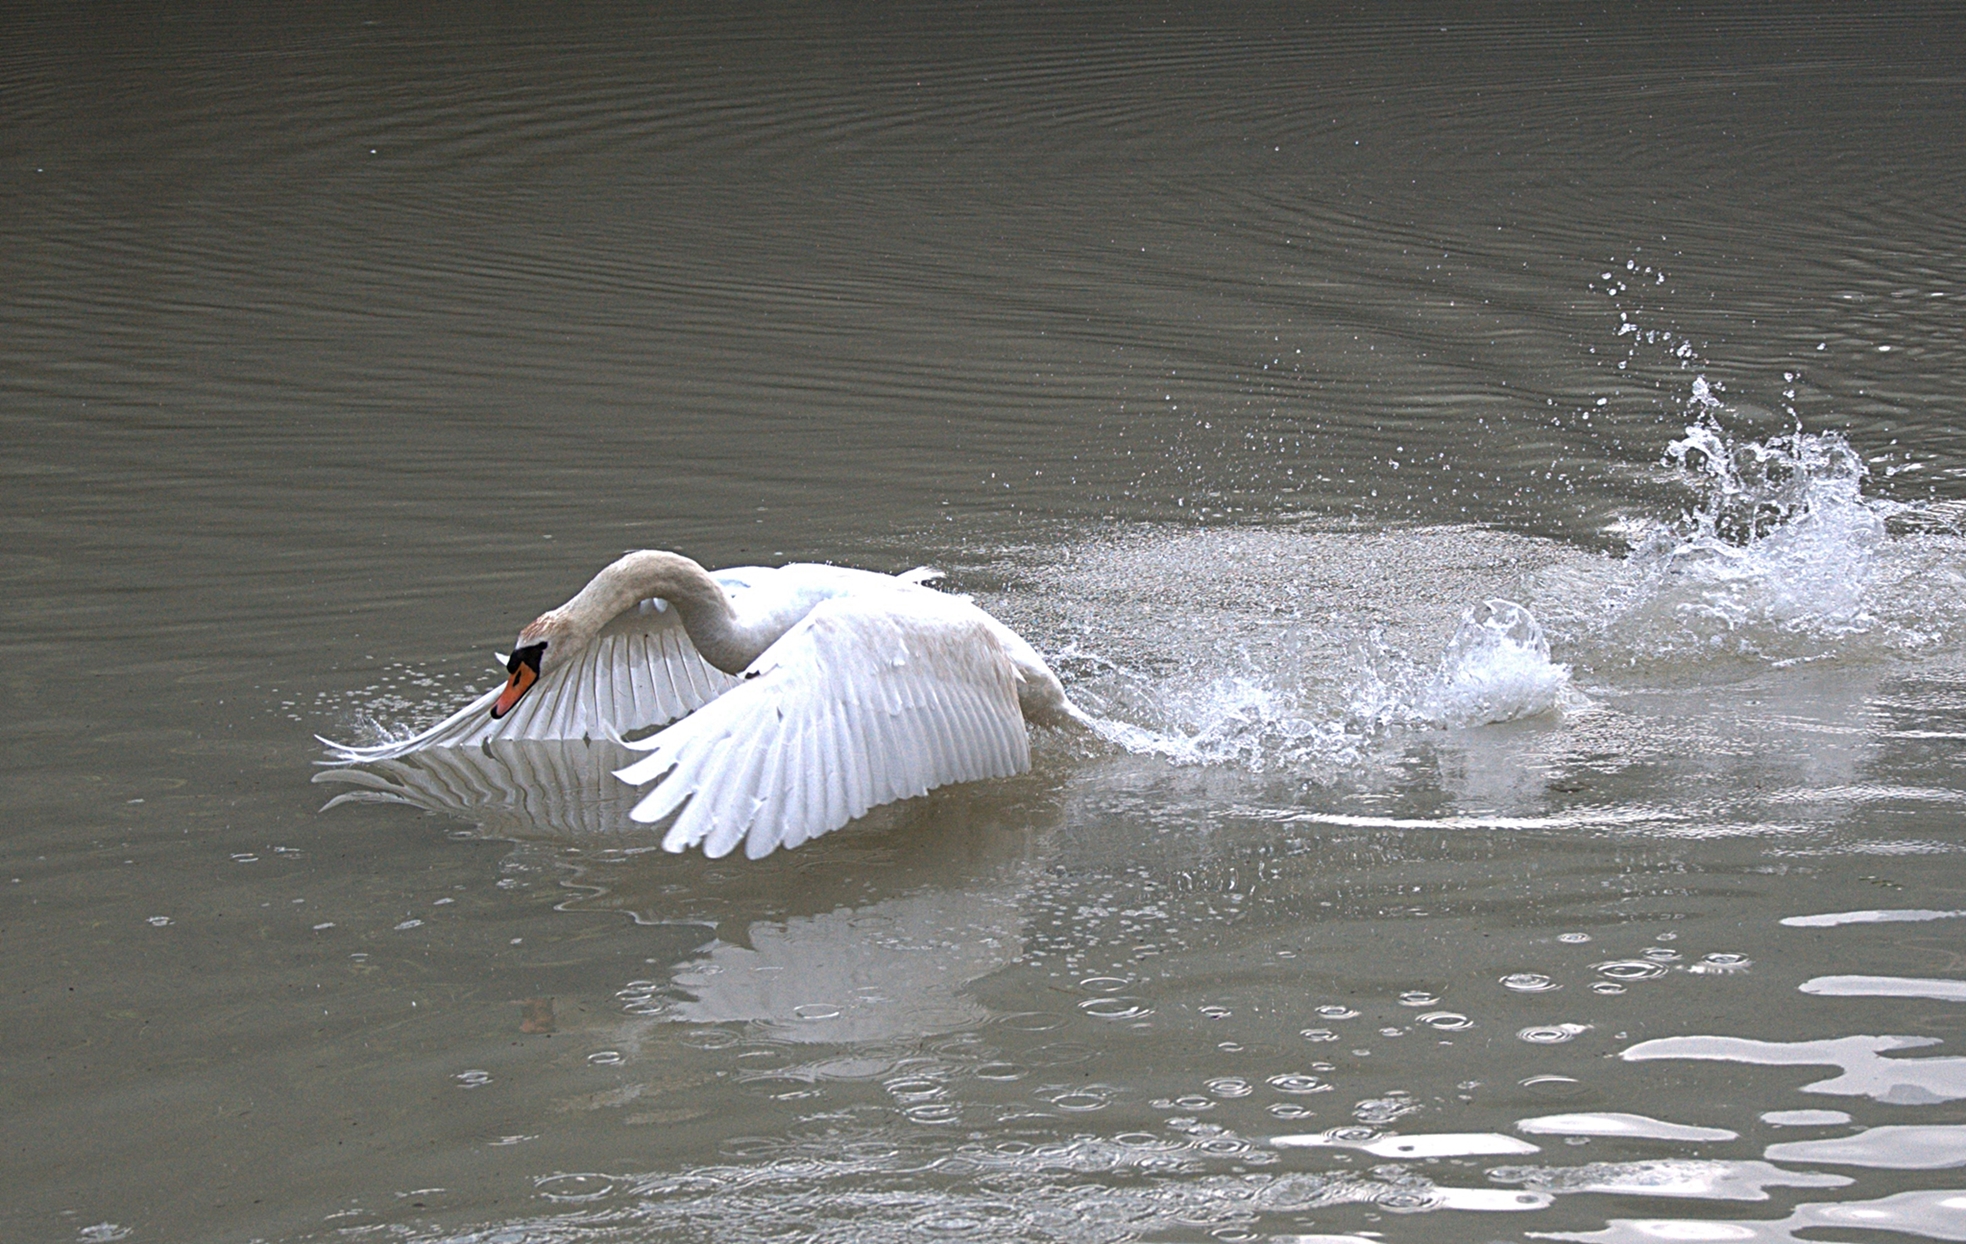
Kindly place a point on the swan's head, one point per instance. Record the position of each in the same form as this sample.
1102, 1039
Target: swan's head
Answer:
541, 648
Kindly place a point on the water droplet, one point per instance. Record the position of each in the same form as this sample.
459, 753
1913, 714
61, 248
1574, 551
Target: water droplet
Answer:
1405, 1202
815, 1011
1446, 1021
605, 1058
1574, 939
1660, 954
1529, 982
1294, 1083
1721, 963
473, 1079
1551, 1034
1216, 1012
160, 921
1104, 984
999, 1071
1607, 987
1229, 1086
1628, 970
1115, 1008
1290, 1110
1418, 997
574, 1187
1334, 1011
1318, 1034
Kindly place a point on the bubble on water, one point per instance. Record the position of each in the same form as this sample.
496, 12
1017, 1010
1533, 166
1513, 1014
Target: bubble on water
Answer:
1294, 1083
159, 921
1628, 970
1446, 1021
1573, 939
1215, 1012
1607, 987
1335, 1011
913, 1088
1079, 1099
605, 1058
577, 1187
1115, 1008
1721, 963
1393, 1105
1529, 982
472, 1079
1418, 997
1318, 1034
1551, 1034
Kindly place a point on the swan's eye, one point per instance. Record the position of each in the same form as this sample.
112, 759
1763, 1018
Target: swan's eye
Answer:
528, 656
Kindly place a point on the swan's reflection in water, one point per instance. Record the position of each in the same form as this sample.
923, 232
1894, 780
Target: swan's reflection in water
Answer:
865, 936
561, 789
892, 970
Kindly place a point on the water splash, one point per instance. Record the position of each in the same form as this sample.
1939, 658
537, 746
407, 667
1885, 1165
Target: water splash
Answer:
1781, 558
1497, 668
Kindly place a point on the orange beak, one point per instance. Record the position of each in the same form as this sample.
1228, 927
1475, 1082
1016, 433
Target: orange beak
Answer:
524, 667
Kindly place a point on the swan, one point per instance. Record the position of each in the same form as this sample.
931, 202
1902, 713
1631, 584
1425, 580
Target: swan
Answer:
800, 695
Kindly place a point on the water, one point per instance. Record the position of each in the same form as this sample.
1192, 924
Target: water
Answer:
1497, 472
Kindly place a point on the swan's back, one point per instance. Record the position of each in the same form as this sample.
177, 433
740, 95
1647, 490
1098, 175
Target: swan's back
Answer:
872, 697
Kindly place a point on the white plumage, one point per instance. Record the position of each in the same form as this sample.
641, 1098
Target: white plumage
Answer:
640, 671
807, 694
867, 700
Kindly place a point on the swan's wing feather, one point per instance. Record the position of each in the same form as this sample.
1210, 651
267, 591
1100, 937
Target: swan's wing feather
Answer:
869, 699
640, 671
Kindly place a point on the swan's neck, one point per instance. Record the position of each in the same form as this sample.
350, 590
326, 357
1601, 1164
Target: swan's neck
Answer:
699, 600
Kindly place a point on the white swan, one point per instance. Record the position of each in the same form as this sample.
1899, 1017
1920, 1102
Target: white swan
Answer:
807, 694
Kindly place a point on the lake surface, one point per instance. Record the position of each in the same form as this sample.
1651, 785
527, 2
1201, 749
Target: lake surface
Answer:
1501, 470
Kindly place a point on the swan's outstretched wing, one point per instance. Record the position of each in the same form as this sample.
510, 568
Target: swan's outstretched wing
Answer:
640, 671
870, 699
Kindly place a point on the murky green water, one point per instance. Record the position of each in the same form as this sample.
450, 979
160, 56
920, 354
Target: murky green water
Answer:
1236, 356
